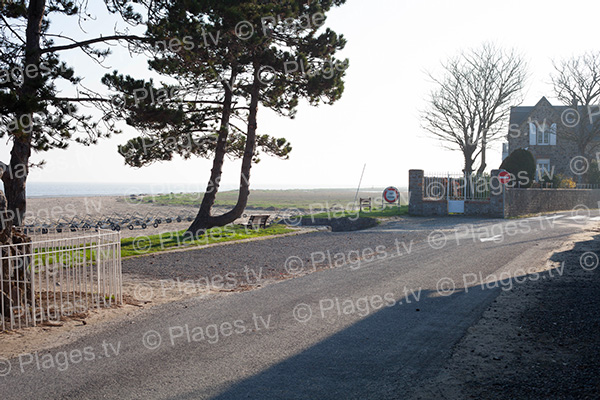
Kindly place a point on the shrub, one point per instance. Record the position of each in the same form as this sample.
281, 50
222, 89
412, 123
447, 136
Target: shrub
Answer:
568, 183
560, 181
593, 174
555, 180
521, 165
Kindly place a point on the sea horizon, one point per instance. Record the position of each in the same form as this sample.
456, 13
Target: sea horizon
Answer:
79, 189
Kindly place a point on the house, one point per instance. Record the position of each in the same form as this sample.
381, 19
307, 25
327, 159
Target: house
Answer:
540, 129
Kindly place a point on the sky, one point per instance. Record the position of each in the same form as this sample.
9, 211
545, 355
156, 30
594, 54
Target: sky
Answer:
391, 46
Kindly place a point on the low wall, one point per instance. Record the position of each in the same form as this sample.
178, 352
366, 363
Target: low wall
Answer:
421, 206
478, 208
432, 207
532, 201
506, 202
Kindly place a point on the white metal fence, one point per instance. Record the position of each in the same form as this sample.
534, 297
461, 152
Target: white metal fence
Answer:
456, 186
59, 274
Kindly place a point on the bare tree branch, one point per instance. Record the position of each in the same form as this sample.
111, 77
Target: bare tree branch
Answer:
12, 30
472, 100
576, 84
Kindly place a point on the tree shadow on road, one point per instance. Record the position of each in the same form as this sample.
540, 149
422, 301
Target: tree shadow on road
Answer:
384, 355
392, 352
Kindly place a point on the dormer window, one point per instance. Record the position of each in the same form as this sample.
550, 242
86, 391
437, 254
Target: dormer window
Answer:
542, 134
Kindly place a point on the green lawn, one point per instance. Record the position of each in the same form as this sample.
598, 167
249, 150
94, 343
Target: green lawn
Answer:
310, 200
135, 246
64, 255
375, 213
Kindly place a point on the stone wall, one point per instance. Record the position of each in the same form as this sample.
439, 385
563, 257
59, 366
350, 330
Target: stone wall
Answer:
494, 207
415, 191
504, 202
433, 207
521, 202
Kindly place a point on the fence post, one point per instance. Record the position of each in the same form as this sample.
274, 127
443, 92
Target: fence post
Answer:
415, 191
98, 268
497, 191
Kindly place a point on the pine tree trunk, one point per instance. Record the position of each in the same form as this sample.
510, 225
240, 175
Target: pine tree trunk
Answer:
204, 220
14, 180
16, 177
203, 216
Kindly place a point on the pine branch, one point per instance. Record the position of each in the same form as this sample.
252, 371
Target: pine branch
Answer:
92, 41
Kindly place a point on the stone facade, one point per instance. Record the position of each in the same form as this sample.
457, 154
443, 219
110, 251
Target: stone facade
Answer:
543, 114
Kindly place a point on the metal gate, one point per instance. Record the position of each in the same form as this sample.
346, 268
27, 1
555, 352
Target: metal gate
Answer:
456, 188
456, 194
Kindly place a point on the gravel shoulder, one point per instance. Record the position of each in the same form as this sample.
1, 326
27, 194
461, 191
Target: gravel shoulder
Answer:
250, 264
155, 279
538, 340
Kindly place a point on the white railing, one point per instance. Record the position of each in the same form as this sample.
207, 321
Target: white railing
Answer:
587, 186
435, 186
59, 274
456, 186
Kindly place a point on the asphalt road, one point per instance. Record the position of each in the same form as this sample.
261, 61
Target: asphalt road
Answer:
370, 328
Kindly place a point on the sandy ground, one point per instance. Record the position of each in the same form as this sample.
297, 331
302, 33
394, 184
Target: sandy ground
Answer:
538, 340
54, 334
134, 288
65, 209
139, 293
531, 343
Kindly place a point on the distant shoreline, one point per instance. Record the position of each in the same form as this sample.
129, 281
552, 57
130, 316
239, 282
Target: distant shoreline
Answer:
151, 193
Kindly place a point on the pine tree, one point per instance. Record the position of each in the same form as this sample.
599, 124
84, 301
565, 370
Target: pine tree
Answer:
225, 59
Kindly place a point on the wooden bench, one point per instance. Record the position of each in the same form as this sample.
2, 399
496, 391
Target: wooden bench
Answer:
365, 202
258, 220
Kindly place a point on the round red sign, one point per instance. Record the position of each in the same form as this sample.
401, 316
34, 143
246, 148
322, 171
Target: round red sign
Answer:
504, 177
391, 194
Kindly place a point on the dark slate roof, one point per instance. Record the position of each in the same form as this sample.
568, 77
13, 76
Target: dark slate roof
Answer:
520, 114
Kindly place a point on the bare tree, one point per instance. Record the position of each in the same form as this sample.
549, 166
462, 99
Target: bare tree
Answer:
577, 84
471, 103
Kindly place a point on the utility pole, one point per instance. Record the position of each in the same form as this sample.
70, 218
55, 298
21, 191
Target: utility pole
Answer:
359, 182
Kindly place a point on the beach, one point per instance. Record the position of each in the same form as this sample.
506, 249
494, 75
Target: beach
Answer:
150, 208
50, 210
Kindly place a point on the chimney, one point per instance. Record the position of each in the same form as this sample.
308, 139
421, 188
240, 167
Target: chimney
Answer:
574, 102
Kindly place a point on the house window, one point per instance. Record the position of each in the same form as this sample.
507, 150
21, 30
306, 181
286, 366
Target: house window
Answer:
543, 135
543, 169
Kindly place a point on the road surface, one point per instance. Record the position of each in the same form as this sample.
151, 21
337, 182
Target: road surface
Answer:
374, 327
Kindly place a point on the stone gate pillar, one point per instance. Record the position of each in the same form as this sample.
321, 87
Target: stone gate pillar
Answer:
497, 191
415, 191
